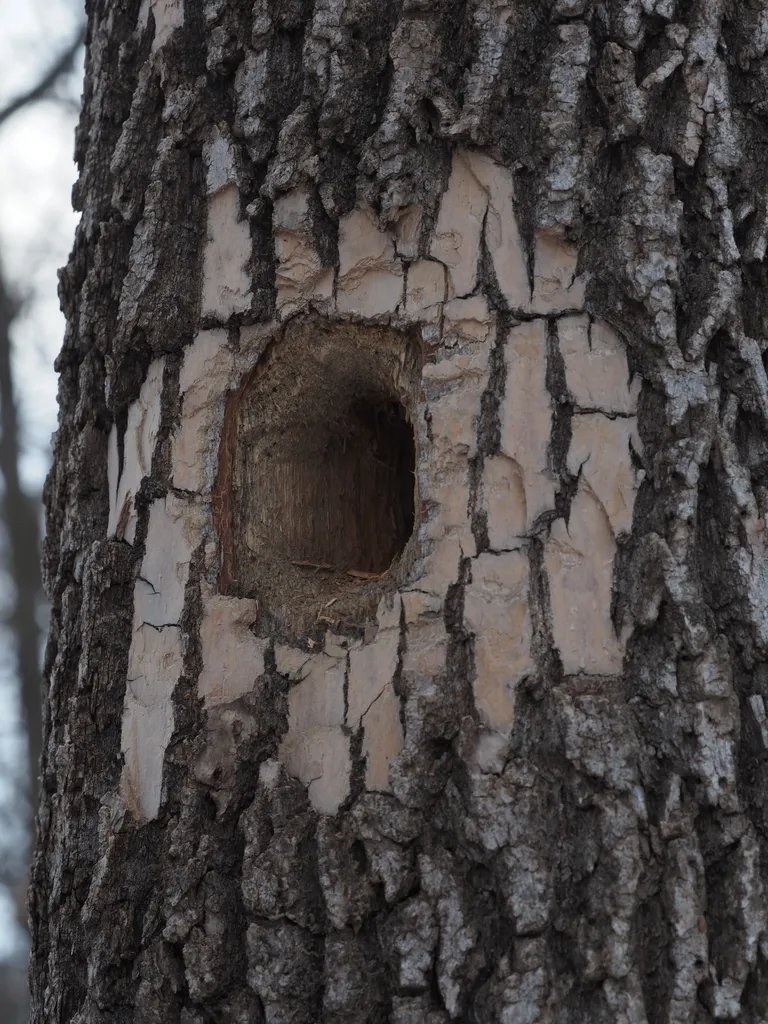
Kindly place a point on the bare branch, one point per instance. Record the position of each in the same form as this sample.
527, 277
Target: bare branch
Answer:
61, 66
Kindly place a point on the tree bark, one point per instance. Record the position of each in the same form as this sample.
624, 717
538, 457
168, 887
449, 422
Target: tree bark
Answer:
511, 258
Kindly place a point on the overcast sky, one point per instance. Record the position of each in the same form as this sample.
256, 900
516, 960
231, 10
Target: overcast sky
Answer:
36, 231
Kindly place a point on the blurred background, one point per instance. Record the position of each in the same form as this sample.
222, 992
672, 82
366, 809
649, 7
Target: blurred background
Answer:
41, 57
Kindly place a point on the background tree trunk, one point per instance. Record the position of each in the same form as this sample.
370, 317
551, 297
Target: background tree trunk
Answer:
519, 774
20, 514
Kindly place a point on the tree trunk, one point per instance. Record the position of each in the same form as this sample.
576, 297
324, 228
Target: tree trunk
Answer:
406, 531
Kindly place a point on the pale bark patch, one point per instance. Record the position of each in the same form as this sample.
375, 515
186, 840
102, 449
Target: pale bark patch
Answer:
138, 448
601, 450
316, 749
205, 375
371, 668
467, 319
596, 366
318, 698
370, 277
226, 283
496, 612
505, 504
382, 740
171, 537
168, 15
233, 657
426, 651
517, 485
372, 702
579, 560
425, 291
300, 274
155, 659
292, 662
556, 286
408, 231
154, 668
526, 416
459, 228
502, 235
456, 385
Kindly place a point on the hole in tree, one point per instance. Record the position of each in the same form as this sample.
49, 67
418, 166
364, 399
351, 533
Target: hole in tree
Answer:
341, 485
320, 462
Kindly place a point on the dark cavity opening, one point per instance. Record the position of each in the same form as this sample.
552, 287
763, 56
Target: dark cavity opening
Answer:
321, 463
342, 486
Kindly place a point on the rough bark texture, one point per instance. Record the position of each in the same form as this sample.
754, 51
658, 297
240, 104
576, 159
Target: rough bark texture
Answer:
587, 841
